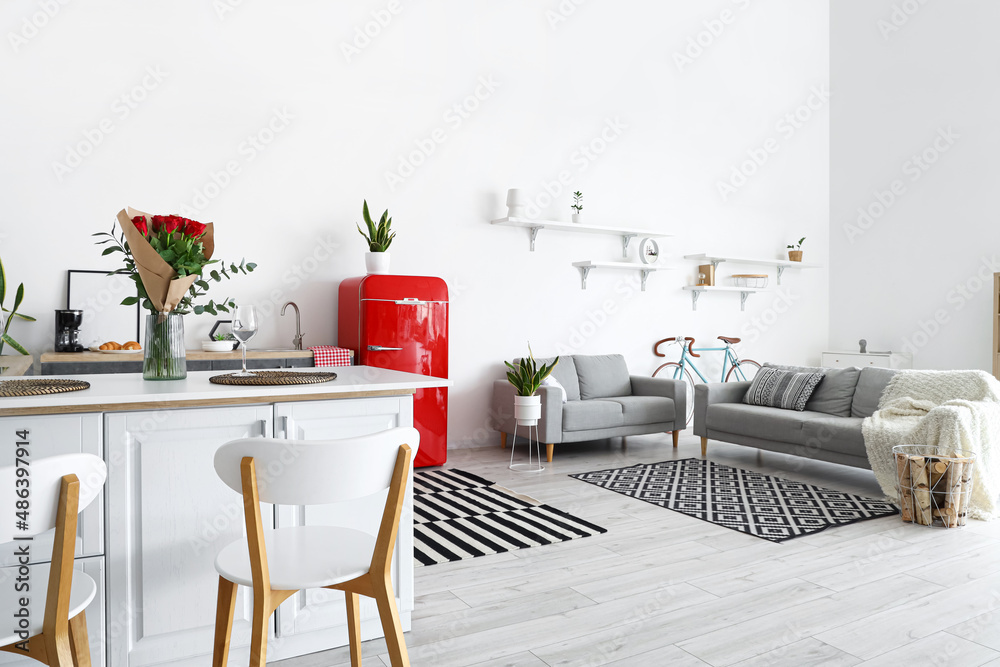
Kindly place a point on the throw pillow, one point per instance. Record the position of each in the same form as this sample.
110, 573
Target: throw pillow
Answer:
550, 381
776, 388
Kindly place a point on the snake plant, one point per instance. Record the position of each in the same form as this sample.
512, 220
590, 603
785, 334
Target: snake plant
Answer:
379, 236
526, 377
11, 313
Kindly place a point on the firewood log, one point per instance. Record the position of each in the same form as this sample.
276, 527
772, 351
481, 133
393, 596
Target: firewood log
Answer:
966, 492
921, 490
937, 469
952, 493
905, 490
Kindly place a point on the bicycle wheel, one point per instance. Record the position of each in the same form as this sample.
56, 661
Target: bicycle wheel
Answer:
674, 370
743, 371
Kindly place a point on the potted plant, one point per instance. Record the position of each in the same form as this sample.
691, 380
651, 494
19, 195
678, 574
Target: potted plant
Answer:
379, 238
12, 364
577, 206
526, 377
795, 250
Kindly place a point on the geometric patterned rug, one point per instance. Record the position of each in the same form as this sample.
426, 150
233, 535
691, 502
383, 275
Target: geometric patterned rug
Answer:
771, 508
458, 515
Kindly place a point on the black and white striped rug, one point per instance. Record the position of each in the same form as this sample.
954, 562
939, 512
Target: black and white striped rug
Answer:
458, 515
771, 508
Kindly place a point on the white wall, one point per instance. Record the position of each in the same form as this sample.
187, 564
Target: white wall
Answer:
558, 76
915, 104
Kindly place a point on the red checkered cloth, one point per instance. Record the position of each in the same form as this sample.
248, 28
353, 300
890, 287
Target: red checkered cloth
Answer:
329, 355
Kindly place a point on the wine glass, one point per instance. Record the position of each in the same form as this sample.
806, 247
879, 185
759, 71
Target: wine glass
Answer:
245, 324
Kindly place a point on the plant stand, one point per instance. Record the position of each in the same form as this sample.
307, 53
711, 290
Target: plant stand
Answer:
529, 466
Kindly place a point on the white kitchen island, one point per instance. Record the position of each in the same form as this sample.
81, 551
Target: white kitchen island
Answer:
150, 540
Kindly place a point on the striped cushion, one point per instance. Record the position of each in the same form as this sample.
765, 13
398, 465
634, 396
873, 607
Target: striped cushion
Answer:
776, 388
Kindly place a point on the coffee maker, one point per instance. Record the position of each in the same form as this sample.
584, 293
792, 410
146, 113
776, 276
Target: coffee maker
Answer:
68, 330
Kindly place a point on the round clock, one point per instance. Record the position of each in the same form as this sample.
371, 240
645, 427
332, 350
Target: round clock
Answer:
649, 251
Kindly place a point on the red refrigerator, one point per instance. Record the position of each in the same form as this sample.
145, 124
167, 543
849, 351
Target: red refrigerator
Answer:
401, 323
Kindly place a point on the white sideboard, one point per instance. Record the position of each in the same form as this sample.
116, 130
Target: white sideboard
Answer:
150, 541
876, 359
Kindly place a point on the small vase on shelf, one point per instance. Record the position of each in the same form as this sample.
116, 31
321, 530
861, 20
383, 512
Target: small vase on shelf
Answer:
578, 218
164, 356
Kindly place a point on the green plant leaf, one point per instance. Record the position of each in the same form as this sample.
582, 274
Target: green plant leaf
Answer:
18, 297
13, 343
22, 316
3, 283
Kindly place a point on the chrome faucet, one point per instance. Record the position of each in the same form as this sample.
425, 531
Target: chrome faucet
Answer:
297, 341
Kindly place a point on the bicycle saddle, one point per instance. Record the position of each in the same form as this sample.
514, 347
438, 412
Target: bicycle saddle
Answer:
731, 341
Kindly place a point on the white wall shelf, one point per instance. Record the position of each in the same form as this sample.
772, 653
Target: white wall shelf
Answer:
644, 269
696, 291
779, 264
534, 226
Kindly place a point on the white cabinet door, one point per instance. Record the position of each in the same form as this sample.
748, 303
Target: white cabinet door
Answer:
96, 619
51, 435
168, 516
316, 619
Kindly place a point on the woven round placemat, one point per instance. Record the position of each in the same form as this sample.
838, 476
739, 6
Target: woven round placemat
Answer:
39, 387
273, 378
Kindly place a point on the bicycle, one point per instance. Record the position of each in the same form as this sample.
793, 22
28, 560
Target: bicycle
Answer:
733, 368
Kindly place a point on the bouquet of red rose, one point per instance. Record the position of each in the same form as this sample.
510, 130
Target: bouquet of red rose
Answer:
166, 256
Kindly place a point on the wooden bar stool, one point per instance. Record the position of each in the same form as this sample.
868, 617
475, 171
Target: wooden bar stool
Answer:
54, 628
279, 562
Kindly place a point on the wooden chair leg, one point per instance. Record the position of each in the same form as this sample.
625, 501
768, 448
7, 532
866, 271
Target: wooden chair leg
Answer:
79, 641
676, 436
503, 440
225, 610
58, 651
258, 635
549, 448
354, 627
391, 626
704, 446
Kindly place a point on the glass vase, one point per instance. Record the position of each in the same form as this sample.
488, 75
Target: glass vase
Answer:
164, 356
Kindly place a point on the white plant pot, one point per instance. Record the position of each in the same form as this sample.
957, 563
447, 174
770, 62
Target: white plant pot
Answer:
527, 410
578, 218
377, 262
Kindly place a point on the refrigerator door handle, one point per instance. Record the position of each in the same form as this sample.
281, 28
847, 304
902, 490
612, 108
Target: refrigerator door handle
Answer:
410, 302
379, 348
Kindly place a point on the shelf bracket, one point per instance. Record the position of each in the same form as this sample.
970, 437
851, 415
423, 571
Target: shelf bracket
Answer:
743, 300
716, 262
645, 273
534, 235
781, 270
626, 239
694, 299
584, 272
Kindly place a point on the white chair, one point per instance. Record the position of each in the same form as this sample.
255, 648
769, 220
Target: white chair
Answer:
277, 563
54, 628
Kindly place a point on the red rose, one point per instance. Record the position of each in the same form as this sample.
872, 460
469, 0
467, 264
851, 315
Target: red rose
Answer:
193, 229
166, 223
140, 224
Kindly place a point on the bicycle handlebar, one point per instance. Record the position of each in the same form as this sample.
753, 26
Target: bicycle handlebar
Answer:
687, 340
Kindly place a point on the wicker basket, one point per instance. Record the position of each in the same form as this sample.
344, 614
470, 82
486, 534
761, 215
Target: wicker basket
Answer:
934, 484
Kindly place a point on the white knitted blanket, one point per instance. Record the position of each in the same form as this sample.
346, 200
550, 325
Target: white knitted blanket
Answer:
949, 409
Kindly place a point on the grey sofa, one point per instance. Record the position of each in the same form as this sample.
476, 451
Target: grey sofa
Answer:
603, 401
829, 429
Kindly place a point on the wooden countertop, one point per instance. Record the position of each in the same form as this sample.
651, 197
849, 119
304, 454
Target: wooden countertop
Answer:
194, 355
115, 392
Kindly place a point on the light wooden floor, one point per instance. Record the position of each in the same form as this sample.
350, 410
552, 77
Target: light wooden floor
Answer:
661, 588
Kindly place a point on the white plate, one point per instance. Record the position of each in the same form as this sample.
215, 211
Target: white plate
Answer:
97, 349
